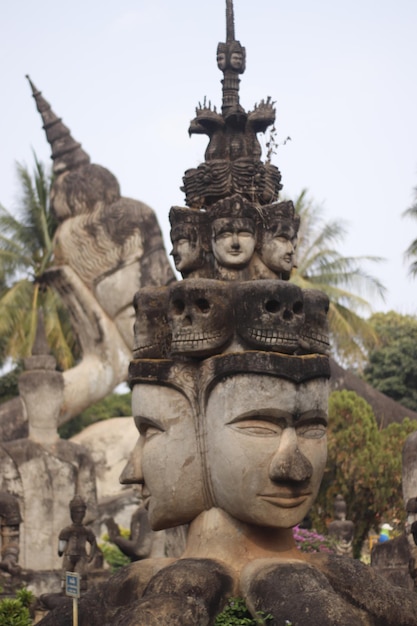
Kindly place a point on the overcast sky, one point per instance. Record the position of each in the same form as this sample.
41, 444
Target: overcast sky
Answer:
126, 76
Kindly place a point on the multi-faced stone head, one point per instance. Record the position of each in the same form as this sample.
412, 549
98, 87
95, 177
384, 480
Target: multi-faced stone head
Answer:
266, 449
200, 317
269, 315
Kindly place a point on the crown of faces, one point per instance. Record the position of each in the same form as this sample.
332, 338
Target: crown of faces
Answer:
235, 240
199, 318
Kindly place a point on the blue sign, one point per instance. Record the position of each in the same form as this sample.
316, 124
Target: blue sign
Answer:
72, 584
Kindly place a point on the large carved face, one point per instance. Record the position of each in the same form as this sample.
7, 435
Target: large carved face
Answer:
199, 316
267, 449
166, 460
278, 248
270, 314
233, 241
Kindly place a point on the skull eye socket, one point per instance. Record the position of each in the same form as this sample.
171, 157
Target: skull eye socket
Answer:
272, 306
297, 308
178, 306
203, 305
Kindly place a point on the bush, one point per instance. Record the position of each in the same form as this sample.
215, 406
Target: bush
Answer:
236, 614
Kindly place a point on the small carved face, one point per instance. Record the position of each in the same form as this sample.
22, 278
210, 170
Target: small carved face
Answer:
314, 335
270, 315
233, 241
266, 447
166, 461
278, 248
199, 316
186, 253
221, 60
152, 332
236, 60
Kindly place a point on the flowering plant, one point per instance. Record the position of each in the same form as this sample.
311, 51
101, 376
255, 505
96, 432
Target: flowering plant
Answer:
311, 541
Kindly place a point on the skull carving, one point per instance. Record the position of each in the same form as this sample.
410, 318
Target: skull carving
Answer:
270, 315
314, 336
152, 332
200, 316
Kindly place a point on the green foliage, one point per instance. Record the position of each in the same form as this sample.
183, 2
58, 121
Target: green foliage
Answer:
236, 614
26, 251
364, 465
112, 553
15, 611
411, 252
392, 367
319, 265
114, 405
8, 383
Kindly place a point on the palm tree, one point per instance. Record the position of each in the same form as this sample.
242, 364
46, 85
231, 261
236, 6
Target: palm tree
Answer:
411, 252
26, 251
319, 265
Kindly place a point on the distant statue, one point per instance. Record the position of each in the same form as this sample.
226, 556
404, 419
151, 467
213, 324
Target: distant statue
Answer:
139, 544
10, 520
341, 529
73, 540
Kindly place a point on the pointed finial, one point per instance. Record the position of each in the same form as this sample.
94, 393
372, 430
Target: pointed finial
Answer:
67, 154
230, 22
40, 345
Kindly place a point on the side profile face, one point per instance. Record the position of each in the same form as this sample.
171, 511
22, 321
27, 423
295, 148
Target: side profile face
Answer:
166, 461
277, 250
233, 242
186, 254
266, 450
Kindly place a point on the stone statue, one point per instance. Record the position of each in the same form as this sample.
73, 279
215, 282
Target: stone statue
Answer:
139, 544
341, 529
231, 408
42, 463
106, 247
73, 540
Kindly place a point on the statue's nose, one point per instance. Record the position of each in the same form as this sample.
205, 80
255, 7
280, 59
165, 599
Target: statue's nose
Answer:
288, 462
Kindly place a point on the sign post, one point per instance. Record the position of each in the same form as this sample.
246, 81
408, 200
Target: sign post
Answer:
72, 589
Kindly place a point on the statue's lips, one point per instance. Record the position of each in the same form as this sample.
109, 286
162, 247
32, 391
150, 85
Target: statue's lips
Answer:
146, 495
285, 500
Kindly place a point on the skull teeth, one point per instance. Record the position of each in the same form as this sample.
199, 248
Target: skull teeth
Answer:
272, 336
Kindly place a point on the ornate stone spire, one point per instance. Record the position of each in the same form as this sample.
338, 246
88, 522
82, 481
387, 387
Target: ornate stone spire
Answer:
67, 154
233, 157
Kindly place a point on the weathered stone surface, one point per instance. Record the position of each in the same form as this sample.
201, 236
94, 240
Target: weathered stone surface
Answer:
299, 593
361, 586
391, 560
44, 479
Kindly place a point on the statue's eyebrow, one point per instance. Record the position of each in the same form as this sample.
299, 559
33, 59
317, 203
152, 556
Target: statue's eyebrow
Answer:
277, 416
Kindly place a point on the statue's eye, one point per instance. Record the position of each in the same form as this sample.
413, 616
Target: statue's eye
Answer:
148, 430
257, 427
311, 431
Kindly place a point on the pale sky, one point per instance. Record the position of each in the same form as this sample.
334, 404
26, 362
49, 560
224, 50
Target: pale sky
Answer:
126, 77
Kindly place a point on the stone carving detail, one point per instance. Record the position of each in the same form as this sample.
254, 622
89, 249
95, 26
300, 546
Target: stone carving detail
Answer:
73, 540
341, 529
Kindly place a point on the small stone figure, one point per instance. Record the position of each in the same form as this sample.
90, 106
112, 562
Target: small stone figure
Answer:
10, 520
73, 539
139, 544
342, 529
